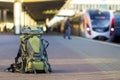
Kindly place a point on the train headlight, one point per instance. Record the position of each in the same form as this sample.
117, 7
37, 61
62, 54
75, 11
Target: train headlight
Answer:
112, 29
88, 29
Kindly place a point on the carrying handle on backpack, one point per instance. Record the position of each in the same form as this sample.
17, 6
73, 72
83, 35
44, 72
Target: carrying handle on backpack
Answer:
47, 43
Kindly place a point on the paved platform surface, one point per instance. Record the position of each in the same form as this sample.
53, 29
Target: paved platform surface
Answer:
75, 59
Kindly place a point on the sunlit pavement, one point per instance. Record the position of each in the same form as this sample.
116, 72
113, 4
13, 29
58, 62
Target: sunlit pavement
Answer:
75, 59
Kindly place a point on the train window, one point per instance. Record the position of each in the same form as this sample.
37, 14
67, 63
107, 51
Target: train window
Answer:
95, 6
99, 19
78, 6
117, 6
87, 6
114, 7
81, 6
99, 15
90, 6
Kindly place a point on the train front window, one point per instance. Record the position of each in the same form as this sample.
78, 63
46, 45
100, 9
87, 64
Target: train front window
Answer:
100, 20
100, 23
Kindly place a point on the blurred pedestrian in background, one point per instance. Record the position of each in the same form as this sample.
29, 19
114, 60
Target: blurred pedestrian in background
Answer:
67, 29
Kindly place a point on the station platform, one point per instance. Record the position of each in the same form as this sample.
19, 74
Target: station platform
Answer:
75, 59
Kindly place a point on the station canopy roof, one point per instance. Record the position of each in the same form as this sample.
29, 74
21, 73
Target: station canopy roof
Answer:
39, 10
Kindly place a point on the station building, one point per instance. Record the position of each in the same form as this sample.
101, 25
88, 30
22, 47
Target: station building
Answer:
94, 4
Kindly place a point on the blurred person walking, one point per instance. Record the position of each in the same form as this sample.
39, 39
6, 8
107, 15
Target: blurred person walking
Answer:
67, 29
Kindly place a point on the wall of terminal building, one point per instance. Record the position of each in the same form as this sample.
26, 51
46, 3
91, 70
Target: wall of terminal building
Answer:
99, 4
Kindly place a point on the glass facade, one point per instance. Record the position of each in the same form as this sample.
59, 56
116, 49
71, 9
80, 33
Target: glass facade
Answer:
99, 4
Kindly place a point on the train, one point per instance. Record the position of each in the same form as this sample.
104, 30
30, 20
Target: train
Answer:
98, 25
117, 23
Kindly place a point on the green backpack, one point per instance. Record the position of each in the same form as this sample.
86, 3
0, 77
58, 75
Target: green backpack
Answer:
32, 55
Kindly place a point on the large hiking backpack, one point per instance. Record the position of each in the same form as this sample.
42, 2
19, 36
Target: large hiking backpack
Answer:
32, 55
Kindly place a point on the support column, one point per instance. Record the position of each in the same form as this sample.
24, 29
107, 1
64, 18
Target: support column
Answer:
26, 19
22, 19
4, 15
17, 16
0, 15
47, 21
